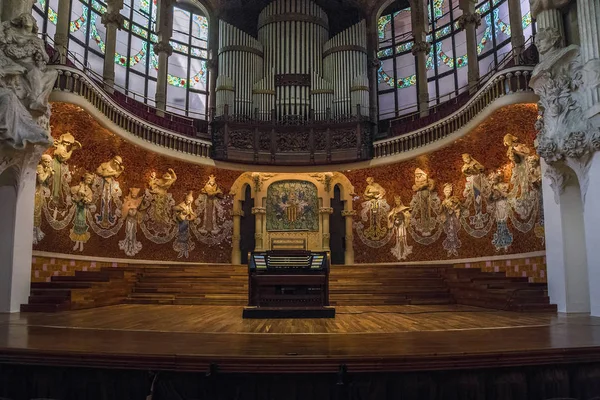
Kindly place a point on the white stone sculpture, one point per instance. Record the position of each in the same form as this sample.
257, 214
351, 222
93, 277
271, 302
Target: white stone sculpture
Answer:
565, 136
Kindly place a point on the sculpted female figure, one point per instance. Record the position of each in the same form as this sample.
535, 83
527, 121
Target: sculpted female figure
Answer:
44, 173
130, 244
498, 196
450, 218
211, 193
517, 153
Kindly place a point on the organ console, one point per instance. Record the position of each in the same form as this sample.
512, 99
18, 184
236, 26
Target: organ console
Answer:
296, 76
287, 284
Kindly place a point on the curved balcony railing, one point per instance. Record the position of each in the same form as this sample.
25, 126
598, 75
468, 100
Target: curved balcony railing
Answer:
512, 80
74, 81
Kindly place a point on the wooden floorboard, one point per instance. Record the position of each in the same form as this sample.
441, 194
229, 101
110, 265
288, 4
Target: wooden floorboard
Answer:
382, 338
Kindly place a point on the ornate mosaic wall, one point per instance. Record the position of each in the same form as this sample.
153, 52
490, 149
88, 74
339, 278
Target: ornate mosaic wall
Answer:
292, 206
101, 196
481, 196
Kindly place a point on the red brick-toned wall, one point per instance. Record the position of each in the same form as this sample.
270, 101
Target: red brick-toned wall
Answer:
44, 268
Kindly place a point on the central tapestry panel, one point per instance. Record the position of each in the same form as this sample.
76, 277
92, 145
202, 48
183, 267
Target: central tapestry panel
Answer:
292, 206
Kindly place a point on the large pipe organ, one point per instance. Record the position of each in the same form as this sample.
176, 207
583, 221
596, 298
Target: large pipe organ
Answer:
293, 73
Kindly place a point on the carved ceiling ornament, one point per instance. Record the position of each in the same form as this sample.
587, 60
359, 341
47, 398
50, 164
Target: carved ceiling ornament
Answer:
565, 136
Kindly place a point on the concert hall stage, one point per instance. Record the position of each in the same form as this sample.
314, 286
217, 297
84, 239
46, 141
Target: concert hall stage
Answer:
364, 339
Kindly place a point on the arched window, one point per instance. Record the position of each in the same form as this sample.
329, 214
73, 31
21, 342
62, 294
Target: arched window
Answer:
188, 73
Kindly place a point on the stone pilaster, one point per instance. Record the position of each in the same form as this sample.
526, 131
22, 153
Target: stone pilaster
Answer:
373, 67
213, 64
421, 48
517, 38
112, 20
164, 50
61, 37
588, 15
9, 9
349, 216
469, 21
260, 214
326, 236
236, 254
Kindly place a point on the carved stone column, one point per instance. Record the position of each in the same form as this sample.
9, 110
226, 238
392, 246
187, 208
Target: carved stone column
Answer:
326, 235
517, 39
9, 9
236, 254
213, 64
588, 15
112, 20
61, 37
469, 21
568, 142
373, 65
349, 216
420, 50
260, 214
164, 50
547, 15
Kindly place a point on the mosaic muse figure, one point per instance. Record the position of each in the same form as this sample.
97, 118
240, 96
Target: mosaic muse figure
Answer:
211, 193
82, 197
184, 213
517, 153
423, 203
450, 217
109, 172
375, 196
63, 150
499, 197
131, 204
474, 188
399, 220
159, 187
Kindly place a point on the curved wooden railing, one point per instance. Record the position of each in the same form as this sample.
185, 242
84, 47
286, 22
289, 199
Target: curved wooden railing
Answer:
74, 81
510, 81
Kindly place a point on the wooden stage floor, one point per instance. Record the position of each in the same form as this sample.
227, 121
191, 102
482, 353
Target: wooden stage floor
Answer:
369, 338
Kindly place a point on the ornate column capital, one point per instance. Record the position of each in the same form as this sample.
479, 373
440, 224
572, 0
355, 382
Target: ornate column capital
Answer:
113, 17
421, 47
348, 213
326, 210
259, 210
537, 6
469, 18
163, 47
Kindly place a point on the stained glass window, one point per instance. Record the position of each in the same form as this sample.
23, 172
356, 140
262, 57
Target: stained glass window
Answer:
188, 73
446, 63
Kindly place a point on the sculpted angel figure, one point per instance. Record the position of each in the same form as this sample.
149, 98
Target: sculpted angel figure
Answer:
82, 197
159, 187
517, 153
131, 204
399, 220
184, 213
44, 173
109, 172
23, 55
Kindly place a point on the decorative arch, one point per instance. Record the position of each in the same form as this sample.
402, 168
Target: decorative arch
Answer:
259, 183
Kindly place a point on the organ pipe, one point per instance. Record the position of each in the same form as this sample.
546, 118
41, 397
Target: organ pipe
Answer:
293, 66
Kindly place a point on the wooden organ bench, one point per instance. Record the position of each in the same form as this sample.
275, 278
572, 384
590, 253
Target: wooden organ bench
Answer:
288, 284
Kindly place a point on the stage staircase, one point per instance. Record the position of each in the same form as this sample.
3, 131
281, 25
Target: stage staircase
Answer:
387, 285
223, 284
